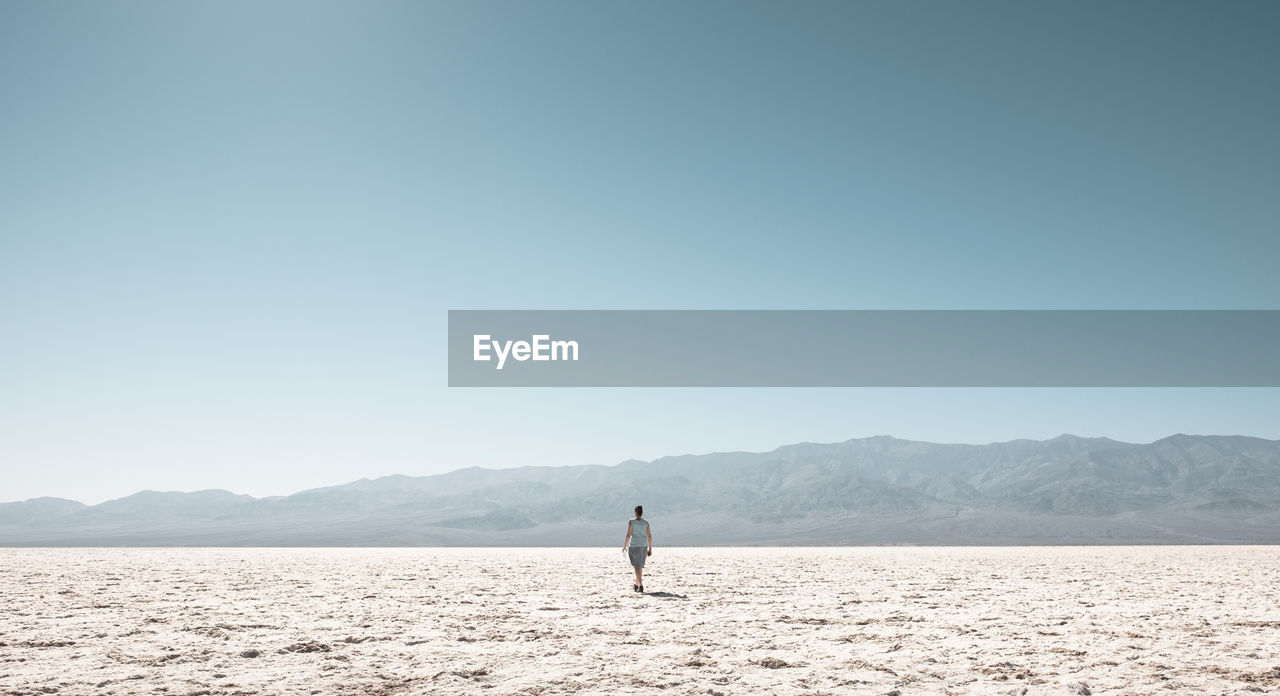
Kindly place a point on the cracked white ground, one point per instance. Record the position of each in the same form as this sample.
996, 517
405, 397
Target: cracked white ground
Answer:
1055, 620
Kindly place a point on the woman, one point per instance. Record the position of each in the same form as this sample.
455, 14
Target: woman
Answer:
638, 545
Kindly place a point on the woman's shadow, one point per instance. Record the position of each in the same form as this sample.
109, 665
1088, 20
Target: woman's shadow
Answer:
665, 595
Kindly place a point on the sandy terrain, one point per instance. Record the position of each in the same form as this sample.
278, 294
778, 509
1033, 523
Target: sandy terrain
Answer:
1134, 620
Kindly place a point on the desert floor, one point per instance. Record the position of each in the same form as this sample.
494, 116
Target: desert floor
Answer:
1072, 620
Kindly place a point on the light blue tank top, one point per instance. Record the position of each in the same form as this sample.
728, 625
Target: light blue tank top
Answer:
639, 537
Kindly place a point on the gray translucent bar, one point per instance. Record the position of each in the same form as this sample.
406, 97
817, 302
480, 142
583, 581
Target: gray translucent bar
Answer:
868, 348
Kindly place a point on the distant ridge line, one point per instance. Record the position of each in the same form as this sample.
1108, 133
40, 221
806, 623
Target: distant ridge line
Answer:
875, 490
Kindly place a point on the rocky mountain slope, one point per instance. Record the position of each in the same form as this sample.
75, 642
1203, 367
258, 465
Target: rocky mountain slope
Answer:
879, 490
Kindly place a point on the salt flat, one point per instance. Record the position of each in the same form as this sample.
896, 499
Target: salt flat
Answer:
1053, 620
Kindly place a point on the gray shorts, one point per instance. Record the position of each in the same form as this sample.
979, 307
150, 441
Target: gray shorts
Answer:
637, 555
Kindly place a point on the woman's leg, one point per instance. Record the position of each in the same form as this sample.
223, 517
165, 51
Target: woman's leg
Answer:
638, 576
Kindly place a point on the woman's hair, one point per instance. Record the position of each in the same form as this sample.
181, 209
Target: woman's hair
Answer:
639, 511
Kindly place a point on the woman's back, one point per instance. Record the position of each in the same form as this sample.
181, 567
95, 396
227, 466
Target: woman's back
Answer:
639, 532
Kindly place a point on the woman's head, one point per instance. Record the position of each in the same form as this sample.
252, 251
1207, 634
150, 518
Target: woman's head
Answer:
639, 511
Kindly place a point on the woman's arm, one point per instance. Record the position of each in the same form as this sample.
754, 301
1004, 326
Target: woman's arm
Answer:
627, 539
648, 531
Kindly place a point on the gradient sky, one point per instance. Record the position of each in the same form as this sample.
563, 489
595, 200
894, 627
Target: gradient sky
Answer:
230, 232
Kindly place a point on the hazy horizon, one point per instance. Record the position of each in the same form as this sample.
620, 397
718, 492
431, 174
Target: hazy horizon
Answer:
629, 459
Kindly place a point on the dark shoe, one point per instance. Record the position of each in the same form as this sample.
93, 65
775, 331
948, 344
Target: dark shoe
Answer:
640, 589
635, 587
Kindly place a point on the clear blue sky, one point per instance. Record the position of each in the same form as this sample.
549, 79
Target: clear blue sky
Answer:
229, 232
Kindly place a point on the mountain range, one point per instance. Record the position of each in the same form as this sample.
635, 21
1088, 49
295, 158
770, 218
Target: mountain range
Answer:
1182, 489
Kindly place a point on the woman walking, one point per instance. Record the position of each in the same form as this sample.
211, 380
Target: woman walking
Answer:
638, 545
